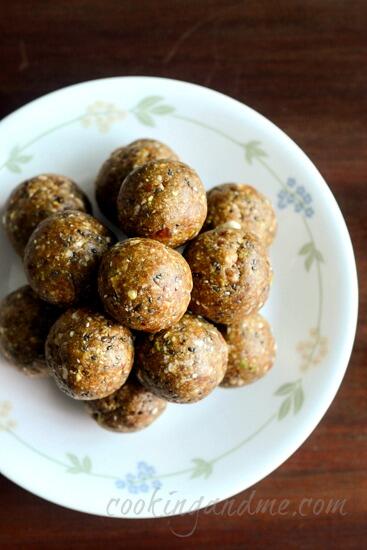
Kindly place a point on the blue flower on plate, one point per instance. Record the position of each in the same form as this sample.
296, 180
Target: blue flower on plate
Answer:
282, 199
291, 182
297, 196
143, 481
145, 470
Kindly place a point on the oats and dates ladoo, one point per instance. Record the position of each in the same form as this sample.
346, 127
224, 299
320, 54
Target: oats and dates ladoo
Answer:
36, 199
144, 284
236, 202
184, 363
89, 355
163, 200
62, 257
231, 274
129, 409
25, 321
251, 347
120, 163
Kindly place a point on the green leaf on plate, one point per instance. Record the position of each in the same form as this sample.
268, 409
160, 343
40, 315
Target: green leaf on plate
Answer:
77, 466
305, 248
162, 110
73, 458
13, 167
312, 254
201, 468
16, 159
298, 399
145, 118
149, 101
253, 150
309, 261
285, 389
24, 158
284, 408
87, 464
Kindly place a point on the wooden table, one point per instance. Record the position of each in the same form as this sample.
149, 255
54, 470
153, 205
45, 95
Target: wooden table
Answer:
303, 65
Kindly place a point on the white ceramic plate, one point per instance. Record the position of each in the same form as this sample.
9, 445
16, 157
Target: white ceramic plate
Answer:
194, 454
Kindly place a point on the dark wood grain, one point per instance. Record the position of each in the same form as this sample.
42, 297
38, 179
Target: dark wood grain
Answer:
301, 64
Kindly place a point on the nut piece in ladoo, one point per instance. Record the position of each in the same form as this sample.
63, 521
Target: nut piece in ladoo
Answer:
62, 257
144, 284
163, 200
89, 355
184, 363
129, 409
231, 274
237, 202
25, 322
34, 200
119, 165
251, 347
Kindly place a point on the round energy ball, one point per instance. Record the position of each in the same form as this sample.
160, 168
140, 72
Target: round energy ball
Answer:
129, 409
144, 284
35, 200
90, 356
25, 322
62, 256
119, 165
184, 363
231, 274
245, 205
163, 200
251, 348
